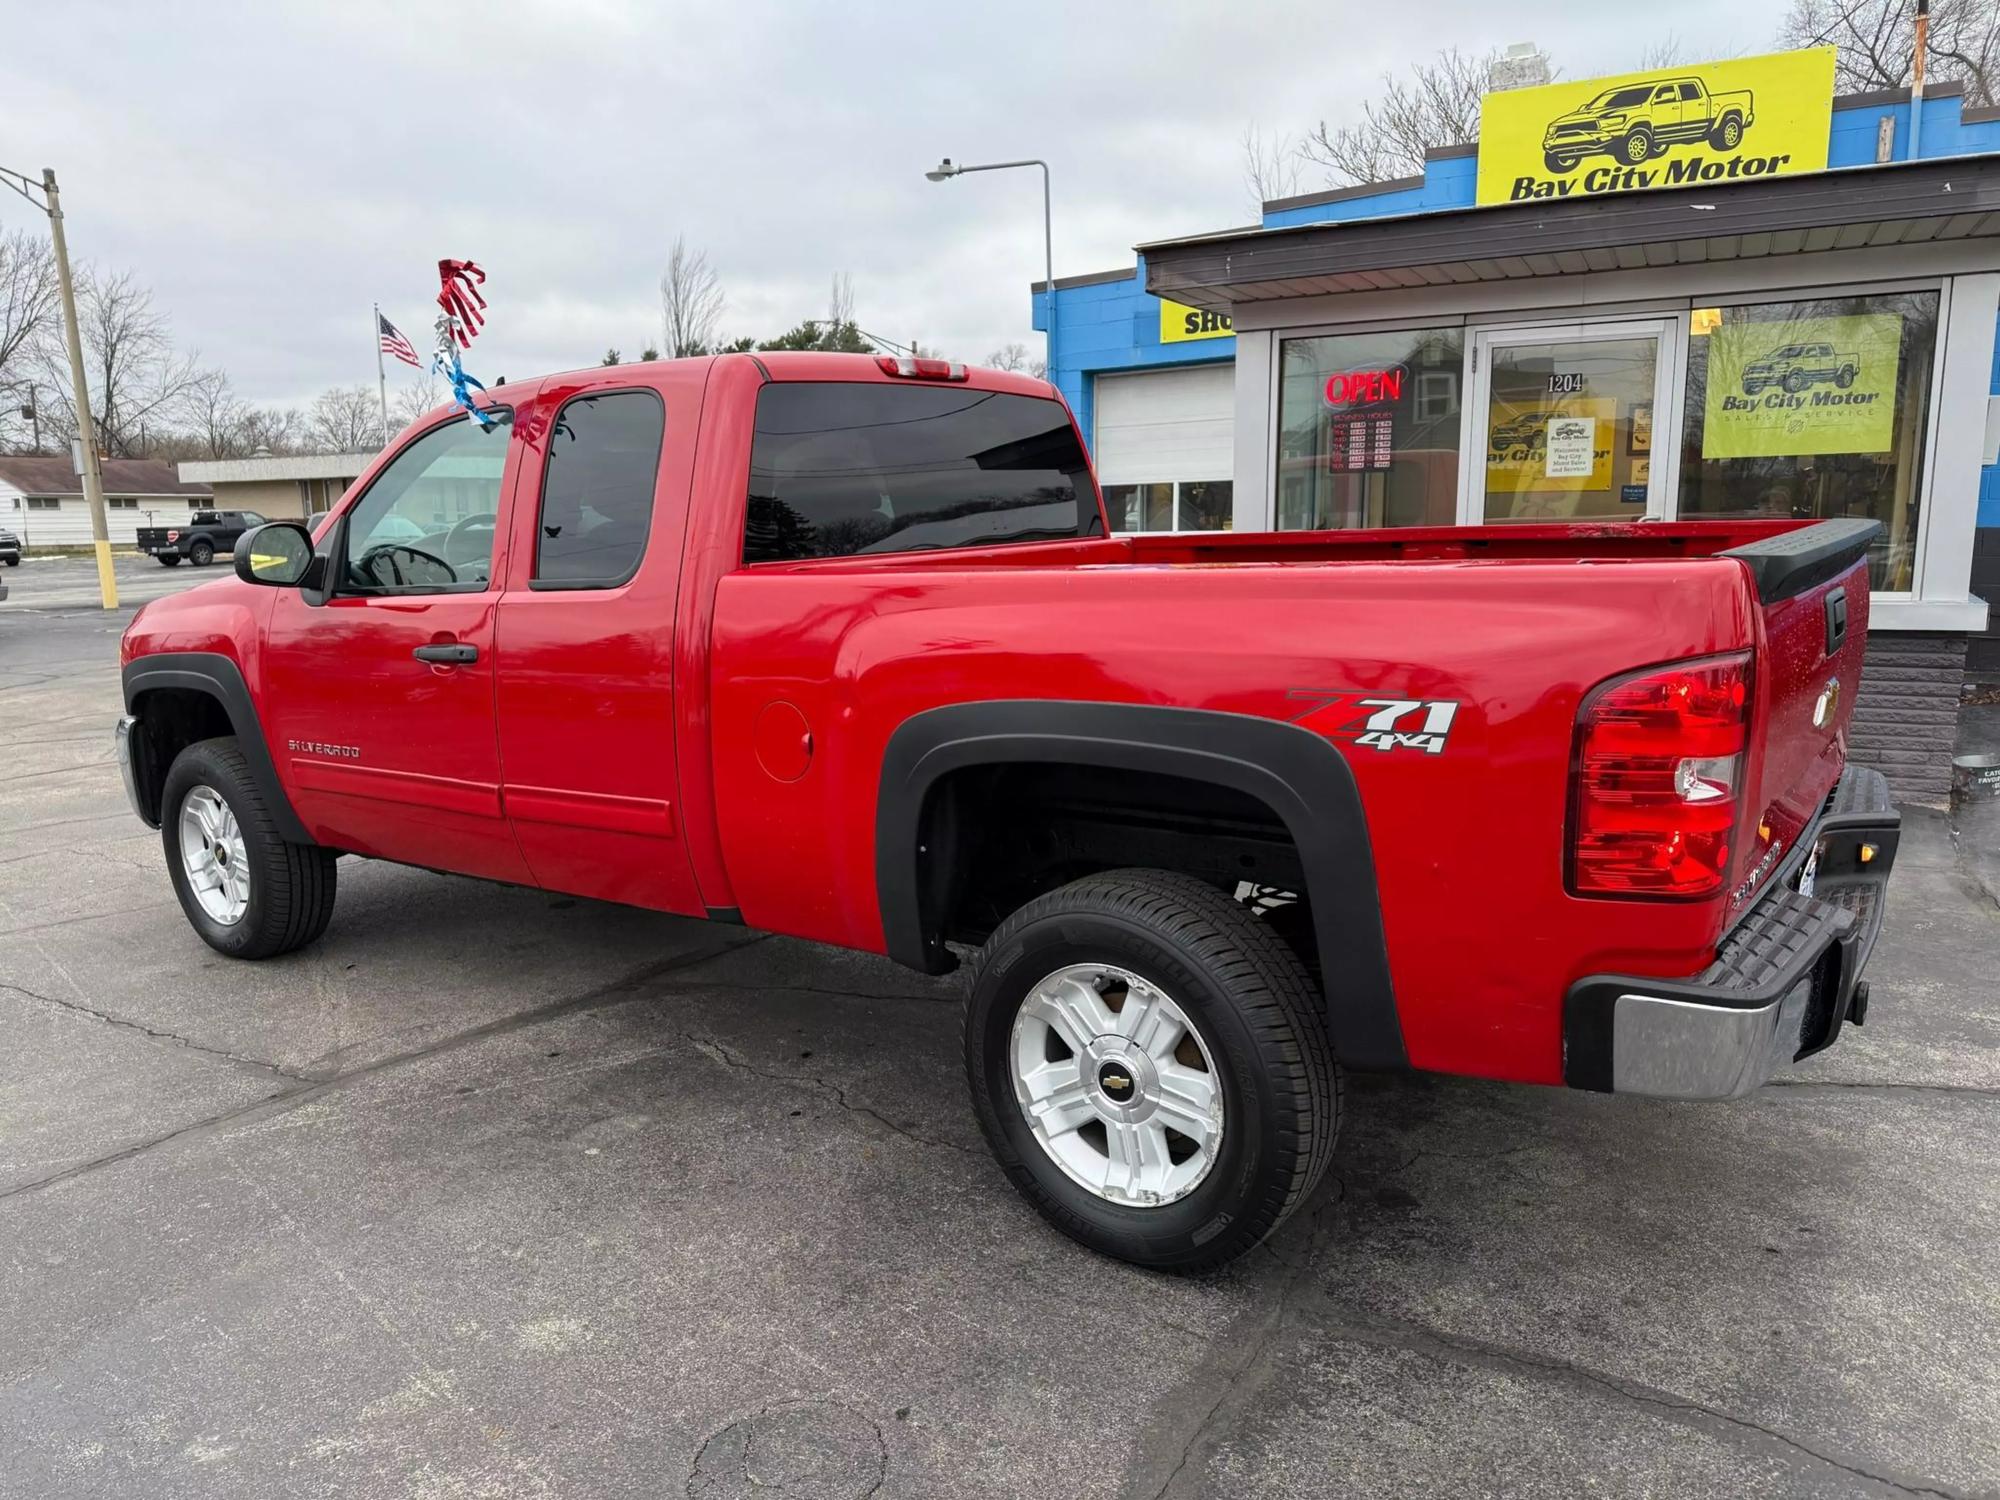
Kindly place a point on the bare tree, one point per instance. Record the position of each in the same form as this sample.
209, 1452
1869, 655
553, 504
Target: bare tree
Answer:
139, 383
417, 397
690, 302
840, 306
345, 419
1017, 357
1437, 105
1878, 43
27, 316
1271, 165
273, 430
215, 417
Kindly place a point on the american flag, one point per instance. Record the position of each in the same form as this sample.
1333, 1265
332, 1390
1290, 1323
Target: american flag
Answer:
394, 343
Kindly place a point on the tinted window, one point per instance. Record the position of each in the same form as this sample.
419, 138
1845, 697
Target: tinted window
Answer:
1689, 91
426, 524
842, 469
597, 492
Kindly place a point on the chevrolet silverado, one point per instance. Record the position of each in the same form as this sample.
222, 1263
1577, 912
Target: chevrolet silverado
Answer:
840, 647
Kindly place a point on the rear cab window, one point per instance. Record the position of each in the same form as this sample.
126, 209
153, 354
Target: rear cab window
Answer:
843, 469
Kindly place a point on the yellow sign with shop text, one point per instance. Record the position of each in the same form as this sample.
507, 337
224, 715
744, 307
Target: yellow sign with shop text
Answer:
1672, 127
1805, 385
1563, 446
1180, 323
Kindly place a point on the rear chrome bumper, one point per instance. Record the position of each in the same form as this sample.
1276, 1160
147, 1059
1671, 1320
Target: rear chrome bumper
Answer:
1784, 980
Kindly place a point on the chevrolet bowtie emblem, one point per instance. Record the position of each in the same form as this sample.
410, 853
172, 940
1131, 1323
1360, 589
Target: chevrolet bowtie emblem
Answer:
1117, 1081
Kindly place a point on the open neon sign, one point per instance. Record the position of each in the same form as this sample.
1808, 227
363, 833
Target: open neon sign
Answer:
1351, 388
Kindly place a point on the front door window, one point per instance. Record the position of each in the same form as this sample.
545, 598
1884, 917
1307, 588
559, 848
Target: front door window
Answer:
1568, 426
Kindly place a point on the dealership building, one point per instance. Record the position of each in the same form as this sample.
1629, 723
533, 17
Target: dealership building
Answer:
1709, 292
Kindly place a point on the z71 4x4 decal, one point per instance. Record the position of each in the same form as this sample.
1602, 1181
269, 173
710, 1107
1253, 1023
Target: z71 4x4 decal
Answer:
1377, 723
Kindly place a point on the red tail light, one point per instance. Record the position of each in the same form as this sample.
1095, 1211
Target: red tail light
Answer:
1659, 780
920, 369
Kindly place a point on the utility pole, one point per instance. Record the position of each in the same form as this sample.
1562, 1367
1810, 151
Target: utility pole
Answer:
93, 475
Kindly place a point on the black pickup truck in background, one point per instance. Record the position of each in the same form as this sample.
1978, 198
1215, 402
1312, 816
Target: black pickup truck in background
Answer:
207, 534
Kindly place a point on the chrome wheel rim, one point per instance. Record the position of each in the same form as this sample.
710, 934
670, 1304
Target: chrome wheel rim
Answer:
213, 857
1119, 1089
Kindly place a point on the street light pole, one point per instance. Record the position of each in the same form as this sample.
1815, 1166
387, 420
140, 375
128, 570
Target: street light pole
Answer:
948, 169
93, 475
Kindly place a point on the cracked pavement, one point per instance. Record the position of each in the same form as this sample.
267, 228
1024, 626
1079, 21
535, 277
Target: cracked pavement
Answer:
494, 1193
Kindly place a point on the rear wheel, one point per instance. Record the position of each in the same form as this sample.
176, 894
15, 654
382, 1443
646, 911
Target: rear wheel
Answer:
1845, 377
1150, 1065
1728, 134
246, 891
201, 554
170, 559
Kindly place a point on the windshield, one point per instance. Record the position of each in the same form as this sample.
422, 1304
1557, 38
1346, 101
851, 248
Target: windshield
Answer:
1621, 98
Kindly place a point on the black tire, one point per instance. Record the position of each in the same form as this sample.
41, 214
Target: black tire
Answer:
1845, 378
292, 886
1558, 162
201, 554
1793, 382
170, 559
13, 562
1728, 133
1636, 147
1255, 1007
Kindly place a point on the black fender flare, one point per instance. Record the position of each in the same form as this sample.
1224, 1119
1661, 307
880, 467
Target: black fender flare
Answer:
1299, 775
218, 677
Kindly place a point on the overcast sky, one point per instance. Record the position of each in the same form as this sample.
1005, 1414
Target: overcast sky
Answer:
270, 170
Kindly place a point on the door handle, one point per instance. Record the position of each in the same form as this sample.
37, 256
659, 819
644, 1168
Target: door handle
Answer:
455, 655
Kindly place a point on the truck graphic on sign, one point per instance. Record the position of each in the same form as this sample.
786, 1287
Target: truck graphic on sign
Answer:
1797, 366
1635, 122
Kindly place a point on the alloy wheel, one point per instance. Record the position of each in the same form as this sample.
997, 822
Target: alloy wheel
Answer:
213, 857
1117, 1085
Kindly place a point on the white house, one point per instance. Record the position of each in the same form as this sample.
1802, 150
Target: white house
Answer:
41, 500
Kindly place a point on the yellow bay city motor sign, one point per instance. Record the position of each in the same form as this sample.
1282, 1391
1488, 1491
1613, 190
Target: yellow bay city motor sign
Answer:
1671, 127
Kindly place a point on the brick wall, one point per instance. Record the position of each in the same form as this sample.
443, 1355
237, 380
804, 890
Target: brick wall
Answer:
1906, 719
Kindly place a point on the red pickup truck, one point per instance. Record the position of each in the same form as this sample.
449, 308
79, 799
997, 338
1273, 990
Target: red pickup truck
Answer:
840, 647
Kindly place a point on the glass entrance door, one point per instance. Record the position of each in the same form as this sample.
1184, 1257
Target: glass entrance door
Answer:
1561, 420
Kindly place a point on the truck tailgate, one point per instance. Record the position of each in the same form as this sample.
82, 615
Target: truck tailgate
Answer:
1812, 586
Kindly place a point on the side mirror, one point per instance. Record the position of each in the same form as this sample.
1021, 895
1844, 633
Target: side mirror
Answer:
277, 555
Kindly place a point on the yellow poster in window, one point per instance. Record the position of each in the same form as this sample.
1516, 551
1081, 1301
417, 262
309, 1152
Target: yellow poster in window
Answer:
1803, 385
1564, 444
1747, 118
1180, 323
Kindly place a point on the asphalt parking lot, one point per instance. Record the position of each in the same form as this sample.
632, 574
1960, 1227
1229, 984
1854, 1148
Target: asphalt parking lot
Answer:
497, 1193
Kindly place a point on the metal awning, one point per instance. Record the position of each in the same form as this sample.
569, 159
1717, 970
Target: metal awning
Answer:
1898, 203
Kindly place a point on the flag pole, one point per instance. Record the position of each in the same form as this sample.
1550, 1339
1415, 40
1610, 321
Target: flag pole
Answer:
381, 376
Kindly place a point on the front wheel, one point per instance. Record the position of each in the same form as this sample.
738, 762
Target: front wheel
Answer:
201, 554
1637, 147
1559, 161
247, 892
1150, 1065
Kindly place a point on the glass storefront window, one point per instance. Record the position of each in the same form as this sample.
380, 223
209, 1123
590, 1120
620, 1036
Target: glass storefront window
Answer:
1192, 505
1816, 408
1368, 427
